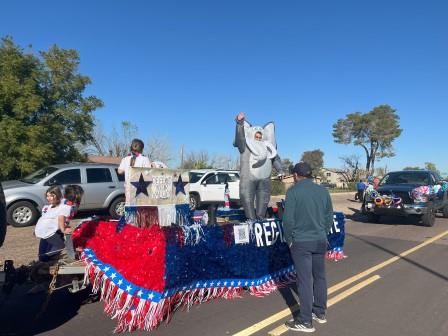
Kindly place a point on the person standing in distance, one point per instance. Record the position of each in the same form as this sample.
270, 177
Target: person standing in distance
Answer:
134, 159
307, 219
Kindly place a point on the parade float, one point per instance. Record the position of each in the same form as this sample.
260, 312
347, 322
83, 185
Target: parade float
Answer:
161, 256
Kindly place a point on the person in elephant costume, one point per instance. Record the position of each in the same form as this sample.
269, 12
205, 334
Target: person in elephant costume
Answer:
258, 153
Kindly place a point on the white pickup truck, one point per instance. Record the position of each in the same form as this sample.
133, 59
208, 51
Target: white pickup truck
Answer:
208, 186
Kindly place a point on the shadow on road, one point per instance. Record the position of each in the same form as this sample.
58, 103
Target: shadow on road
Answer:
290, 295
412, 262
23, 314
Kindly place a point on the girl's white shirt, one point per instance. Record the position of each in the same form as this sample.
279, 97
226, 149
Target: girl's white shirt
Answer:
140, 161
47, 225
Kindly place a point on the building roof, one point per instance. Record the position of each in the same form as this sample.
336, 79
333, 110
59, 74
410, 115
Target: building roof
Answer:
334, 170
103, 159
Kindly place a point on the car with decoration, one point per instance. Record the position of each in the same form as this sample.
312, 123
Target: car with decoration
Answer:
103, 190
417, 193
208, 186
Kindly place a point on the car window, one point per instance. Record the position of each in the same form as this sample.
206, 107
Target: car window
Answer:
98, 175
233, 177
69, 176
194, 176
223, 178
419, 178
212, 179
39, 175
120, 176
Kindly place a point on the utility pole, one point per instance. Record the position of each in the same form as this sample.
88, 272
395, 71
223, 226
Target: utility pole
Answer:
182, 156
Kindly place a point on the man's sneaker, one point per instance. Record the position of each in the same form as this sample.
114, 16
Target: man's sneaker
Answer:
300, 326
319, 318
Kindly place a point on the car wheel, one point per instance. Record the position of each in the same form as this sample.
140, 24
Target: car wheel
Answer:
195, 201
429, 218
373, 218
445, 211
22, 214
116, 208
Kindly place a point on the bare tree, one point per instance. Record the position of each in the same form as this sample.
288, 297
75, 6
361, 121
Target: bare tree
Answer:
98, 142
350, 168
196, 160
158, 148
119, 141
224, 161
381, 171
116, 143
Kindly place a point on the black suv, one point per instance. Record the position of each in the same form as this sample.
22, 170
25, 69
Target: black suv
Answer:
396, 196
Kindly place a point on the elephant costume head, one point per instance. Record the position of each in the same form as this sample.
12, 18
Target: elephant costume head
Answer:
263, 150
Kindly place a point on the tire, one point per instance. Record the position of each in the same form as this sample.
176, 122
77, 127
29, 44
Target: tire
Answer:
195, 201
116, 208
373, 218
22, 214
429, 218
445, 211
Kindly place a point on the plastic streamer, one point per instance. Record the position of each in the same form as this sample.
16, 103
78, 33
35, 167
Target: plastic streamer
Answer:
142, 216
183, 214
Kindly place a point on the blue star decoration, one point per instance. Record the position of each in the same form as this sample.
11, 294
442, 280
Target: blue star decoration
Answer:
180, 186
120, 224
141, 185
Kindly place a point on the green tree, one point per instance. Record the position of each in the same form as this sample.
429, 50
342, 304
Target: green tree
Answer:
431, 166
43, 113
315, 159
373, 131
412, 168
287, 164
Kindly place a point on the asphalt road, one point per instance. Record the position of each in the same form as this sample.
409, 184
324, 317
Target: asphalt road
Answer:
374, 291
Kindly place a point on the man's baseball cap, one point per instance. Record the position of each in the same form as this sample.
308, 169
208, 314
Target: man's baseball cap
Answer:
302, 169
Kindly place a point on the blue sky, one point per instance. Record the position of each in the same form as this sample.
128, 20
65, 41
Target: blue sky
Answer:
184, 69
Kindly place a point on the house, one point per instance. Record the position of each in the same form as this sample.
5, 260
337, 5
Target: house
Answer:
333, 176
288, 180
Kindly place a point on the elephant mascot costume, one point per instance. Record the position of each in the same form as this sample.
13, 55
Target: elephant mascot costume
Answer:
258, 153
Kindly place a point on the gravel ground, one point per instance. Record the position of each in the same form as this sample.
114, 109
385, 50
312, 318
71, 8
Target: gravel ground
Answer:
21, 245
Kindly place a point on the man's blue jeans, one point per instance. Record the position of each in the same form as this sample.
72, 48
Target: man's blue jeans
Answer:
309, 261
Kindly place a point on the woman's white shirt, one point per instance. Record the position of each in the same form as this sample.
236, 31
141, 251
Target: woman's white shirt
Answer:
47, 225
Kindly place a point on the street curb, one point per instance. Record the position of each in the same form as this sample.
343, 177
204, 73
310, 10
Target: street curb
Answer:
343, 193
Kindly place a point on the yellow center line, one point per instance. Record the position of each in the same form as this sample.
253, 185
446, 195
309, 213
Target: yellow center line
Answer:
287, 312
282, 329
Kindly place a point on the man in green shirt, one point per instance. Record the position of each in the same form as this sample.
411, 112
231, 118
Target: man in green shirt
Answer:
307, 220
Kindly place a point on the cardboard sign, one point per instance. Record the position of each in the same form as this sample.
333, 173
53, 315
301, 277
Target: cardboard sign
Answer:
155, 186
